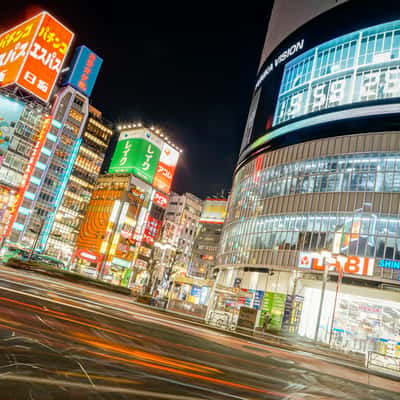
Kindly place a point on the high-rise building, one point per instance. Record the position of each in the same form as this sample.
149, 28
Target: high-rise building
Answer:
51, 171
106, 245
125, 214
79, 185
207, 238
181, 221
24, 127
42, 162
29, 144
319, 169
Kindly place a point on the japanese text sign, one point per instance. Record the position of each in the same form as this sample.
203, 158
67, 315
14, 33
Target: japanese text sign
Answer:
160, 199
152, 230
137, 152
85, 67
32, 54
166, 168
14, 47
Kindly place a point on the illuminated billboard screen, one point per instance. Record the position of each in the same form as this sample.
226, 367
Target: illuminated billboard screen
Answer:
10, 111
346, 72
32, 54
85, 67
137, 152
166, 168
214, 211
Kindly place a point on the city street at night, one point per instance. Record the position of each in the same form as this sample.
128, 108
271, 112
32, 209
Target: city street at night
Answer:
62, 341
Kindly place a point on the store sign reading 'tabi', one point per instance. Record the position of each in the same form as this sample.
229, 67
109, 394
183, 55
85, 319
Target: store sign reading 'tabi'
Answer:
352, 265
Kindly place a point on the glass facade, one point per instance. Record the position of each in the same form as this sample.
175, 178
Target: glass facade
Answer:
361, 234
316, 195
371, 172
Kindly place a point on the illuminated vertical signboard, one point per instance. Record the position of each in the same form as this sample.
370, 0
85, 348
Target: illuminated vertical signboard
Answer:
10, 112
15, 45
152, 230
166, 168
32, 54
85, 67
137, 152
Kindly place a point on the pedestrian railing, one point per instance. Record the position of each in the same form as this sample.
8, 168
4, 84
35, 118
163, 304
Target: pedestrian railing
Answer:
384, 362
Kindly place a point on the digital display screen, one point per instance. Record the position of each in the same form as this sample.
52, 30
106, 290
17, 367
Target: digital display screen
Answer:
318, 76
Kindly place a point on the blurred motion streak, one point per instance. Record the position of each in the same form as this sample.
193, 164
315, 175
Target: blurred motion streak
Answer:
190, 374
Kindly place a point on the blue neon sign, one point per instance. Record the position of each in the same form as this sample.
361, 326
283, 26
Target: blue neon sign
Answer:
389, 264
85, 67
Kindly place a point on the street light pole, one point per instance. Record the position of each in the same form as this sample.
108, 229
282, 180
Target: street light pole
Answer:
339, 281
325, 255
36, 238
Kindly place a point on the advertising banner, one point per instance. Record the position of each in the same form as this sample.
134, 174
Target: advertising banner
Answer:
160, 199
137, 152
352, 265
273, 307
45, 57
214, 211
258, 296
166, 168
151, 230
292, 313
15, 45
85, 67
10, 112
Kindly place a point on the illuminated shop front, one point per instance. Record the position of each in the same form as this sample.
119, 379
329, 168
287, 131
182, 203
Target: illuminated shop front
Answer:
189, 295
319, 169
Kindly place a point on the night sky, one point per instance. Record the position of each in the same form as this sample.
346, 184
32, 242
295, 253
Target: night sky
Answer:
187, 70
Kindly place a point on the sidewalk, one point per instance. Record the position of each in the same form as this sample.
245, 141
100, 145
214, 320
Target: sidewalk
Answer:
65, 275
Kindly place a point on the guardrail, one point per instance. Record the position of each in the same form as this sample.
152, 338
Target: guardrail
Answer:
382, 361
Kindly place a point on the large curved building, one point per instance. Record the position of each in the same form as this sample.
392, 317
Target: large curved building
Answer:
319, 168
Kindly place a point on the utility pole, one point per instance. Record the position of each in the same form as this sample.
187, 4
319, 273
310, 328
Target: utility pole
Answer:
36, 238
326, 254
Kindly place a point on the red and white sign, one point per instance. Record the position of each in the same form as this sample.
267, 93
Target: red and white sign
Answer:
352, 265
166, 168
160, 199
152, 230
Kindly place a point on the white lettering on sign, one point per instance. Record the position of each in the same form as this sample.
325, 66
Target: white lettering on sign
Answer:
369, 86
279, 60
352, 265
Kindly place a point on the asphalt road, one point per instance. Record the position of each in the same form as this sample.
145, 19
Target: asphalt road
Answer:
64, 341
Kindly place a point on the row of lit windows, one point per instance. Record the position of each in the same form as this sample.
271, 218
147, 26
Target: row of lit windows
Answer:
374, 172
362, 235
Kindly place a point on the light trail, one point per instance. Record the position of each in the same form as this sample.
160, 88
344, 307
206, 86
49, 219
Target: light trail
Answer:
191, 375
99, 388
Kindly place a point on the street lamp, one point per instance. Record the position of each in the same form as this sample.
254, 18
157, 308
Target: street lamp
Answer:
39, 232
341, 259
326, 255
